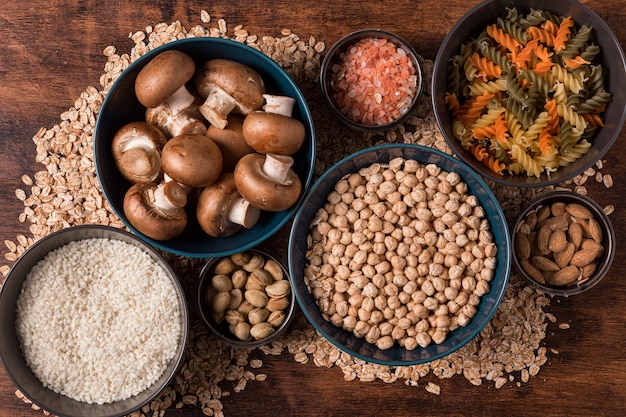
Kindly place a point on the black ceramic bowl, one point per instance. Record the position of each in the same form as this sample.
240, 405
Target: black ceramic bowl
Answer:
221, 330
332, 57
608, 241
10, 351
121, 107
316, 198
611, 57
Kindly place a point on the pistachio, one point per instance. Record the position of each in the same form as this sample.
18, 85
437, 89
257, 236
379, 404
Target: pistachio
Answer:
236, 296
258, 280
239, 278
255, 262
240, 259
274, 269
224, 266
221, 283
277, 304
276, 318
256, 298
258, 315
278, 289
261, 330
242, 331
245, 307
234, 317
220, 301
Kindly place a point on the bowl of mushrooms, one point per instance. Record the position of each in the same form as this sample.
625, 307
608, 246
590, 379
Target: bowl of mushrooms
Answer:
399, 255
204, 147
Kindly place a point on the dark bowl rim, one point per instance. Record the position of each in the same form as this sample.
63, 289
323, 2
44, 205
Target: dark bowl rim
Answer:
352, 37
231, 341
440, 64
146, 247
307, 116
607, 227
506, 254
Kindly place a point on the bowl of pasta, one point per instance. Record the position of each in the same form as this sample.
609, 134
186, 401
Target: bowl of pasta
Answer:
530, 93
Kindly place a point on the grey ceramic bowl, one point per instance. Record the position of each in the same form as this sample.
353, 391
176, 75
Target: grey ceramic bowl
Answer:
611, 57
608, 241
121, 107
221, 330
332, 57
316, 198
10, 351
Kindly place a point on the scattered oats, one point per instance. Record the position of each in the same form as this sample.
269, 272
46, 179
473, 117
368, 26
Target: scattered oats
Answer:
550, 317
609, 209
607, 180
555, 351
205, 17
261, 377
433, 388
598, 177
20, 194
256, 363
499, 382
564, 326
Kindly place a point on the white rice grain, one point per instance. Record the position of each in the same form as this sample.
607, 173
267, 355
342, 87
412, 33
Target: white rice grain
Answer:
98, 320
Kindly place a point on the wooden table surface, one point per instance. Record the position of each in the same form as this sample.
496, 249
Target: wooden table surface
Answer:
52, 50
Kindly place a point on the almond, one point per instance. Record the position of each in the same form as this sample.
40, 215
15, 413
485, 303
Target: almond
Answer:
532, 272
554, 223
595, 231
575, 233
585, 256
563, 257
557, 241
543, 213
522, 246
543, 236
578, 211
565, 276
558, 208
544, 264
588, 270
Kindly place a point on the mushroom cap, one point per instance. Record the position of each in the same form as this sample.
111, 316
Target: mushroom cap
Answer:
163, 76
273, 133
192, 160
214, 204
230, 141
136, 149
238, 80
144, 216
262, 191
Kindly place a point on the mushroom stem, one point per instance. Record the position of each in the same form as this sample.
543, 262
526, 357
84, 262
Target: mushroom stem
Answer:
277, 167
279, 104
180, 100
174, 124
169, 197
187, 189
241, 212
217, 106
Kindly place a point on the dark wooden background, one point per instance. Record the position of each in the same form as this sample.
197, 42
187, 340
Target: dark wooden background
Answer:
51, 50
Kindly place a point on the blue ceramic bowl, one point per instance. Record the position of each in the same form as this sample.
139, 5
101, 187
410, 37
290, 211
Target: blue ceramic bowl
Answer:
10, 351
121, 107
347, 341
611, 57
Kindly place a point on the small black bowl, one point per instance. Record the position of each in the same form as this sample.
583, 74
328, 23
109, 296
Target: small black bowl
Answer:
221, 330
608, 241
332, 57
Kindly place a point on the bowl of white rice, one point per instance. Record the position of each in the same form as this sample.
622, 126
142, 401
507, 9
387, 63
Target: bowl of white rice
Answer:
93, 322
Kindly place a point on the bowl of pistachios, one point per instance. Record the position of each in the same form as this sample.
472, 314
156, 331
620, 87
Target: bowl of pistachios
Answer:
245, 299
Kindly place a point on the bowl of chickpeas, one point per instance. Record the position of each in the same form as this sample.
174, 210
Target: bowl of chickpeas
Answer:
399, 255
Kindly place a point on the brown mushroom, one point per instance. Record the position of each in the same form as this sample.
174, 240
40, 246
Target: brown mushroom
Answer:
274, 130
267, 181
221, 211
162, 81
136, 150
157, 211
230, 141
192, 160
228, 85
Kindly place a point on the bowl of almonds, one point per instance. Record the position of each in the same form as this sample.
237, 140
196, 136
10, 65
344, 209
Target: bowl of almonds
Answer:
563, 243
245, 299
